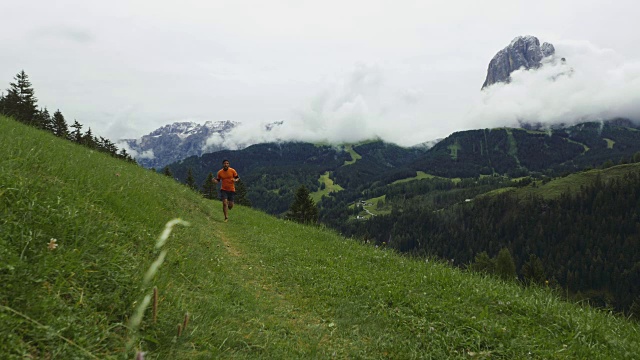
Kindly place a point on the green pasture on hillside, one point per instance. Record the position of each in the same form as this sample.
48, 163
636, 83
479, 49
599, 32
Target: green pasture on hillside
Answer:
330, 187
354, 155
573, 182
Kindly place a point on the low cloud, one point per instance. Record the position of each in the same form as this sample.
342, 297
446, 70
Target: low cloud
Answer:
371, 101
360, 105
215, 140
135, 154
591, 85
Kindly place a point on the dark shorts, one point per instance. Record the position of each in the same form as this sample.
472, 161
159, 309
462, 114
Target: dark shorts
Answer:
227, 195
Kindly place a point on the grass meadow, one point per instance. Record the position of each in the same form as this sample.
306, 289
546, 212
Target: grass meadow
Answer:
79, 233
354, 155
330, 187
573, 182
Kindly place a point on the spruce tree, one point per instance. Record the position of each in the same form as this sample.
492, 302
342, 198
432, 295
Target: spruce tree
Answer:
60, 127
190, 181
44, 120
123, 154
89, 140
209, 188
167, 171
483, 263
107, 146
505, 266
303, 209
241, 194
634, 309
76, 134
533, 270
20, 101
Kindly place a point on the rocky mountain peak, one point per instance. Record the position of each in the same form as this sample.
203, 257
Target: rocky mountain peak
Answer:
177, 141
523, 52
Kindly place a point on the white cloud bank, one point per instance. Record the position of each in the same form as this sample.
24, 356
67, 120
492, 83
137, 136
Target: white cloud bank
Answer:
373, 101
592, 85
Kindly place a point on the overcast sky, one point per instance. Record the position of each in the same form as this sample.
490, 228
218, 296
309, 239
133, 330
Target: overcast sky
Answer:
406, 71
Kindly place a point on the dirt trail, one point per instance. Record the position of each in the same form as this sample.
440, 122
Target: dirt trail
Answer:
233, 251
273, 295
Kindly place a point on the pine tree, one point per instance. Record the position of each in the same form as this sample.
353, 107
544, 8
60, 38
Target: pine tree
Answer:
167, 171
634, 310
20, 101
483, 263
241, 194
44, 120
533, 270
190, 181
107, 146
76, 134
123, 154
89, 140
60, 128
303, 209
607, 164
505, 267
209, 188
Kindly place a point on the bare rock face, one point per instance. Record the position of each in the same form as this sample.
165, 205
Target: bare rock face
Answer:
523, 52
180, 140
177, 141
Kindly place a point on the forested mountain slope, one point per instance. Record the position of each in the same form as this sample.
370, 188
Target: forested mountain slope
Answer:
518, 152
273, 171
584, 228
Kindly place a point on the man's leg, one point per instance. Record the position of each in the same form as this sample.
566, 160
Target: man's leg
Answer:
230, 197
224, 209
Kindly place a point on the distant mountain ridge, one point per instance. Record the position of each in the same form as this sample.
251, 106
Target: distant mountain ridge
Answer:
177, 141
518, 151
273, 170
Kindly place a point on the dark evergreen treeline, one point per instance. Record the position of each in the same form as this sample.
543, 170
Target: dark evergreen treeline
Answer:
588, 241
20, 103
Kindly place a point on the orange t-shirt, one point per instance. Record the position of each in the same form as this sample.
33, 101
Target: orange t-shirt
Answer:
227, 179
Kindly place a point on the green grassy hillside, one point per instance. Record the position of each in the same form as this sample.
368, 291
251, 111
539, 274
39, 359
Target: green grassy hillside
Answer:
329, 187
569, 183
256, 287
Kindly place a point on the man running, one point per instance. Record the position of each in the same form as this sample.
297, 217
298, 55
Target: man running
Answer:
228, 176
